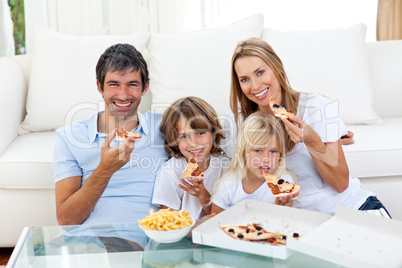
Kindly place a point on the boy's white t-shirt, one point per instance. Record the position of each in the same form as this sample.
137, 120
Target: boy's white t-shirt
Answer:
315, 194
230, 191
168, 193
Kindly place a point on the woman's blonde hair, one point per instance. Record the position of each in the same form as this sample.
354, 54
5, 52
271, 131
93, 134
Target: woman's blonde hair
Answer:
255, 133
200, 115
239, 103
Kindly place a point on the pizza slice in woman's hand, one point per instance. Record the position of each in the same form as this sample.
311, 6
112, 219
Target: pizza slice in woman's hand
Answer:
280, 187
279, 111
192, 170
122, 135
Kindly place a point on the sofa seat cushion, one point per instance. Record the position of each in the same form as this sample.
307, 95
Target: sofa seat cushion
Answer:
27, 163
377, 149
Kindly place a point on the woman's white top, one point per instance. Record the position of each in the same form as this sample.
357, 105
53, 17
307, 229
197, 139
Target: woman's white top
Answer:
230, 191
315, 194
168, 193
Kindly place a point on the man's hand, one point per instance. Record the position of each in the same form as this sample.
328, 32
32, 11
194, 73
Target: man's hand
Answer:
112, 159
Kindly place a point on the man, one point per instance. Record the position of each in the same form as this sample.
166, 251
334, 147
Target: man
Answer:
101, 180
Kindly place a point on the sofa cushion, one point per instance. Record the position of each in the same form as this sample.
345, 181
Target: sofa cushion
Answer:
27, 163
197, 62
330, 62
377, 149
63, 82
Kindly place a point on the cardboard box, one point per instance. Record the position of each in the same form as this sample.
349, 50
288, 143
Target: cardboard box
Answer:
355, 239
274, 218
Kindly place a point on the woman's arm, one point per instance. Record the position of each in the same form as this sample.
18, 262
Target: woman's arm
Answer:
328, 158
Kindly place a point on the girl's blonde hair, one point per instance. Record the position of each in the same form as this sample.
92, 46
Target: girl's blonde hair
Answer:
200, 115
239, 103
255, 133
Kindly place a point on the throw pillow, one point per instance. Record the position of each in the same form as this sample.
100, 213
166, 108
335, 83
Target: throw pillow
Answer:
62, 85
331, 62
197, 63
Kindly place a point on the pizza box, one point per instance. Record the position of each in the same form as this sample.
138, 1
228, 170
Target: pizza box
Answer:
354, 239
274, 218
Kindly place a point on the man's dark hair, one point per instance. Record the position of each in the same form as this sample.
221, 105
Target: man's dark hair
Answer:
124, 58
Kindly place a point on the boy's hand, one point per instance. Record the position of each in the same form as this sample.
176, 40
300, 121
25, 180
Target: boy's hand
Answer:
193, 186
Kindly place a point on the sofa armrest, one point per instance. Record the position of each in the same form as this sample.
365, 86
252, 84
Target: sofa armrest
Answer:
13, 92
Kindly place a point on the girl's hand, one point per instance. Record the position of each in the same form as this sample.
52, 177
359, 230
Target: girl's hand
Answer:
286, 200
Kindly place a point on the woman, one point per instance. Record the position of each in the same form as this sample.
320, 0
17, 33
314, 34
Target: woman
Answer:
312, 137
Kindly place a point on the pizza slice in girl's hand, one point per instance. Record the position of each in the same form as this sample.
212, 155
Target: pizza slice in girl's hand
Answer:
192, 170
280, 187
122, 135
279, 111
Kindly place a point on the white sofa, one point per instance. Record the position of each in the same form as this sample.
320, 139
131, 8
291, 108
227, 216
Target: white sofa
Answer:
26, 148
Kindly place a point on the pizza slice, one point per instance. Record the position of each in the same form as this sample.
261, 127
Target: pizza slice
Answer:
280, 187
192, 170
252, 232
279, 111
122, 135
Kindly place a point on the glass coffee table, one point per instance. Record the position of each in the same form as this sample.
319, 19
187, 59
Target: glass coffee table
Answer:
109, 245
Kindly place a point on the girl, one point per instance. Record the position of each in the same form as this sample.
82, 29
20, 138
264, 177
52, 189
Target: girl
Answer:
312, 137
260, 148
192, 130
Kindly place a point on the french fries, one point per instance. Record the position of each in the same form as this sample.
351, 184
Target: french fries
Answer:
166, 220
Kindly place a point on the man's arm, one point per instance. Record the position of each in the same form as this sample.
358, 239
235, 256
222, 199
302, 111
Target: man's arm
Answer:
74, 203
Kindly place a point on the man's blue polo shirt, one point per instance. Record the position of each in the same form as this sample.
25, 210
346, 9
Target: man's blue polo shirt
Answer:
128, 195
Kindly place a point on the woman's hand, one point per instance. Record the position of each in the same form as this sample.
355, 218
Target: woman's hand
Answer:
328, 158
300, 131
286, 200
347, 138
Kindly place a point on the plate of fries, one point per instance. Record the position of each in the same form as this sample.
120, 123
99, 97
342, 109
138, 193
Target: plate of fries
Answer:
166, 225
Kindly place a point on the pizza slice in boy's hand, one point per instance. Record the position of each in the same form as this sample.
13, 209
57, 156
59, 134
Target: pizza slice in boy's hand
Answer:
279, 111
280, 187
192, 170
122, 135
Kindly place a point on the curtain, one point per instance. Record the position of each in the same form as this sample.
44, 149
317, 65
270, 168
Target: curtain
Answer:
116, 17
389, 20
7, 46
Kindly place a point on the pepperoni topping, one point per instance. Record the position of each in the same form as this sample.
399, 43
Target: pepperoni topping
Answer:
196, 172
